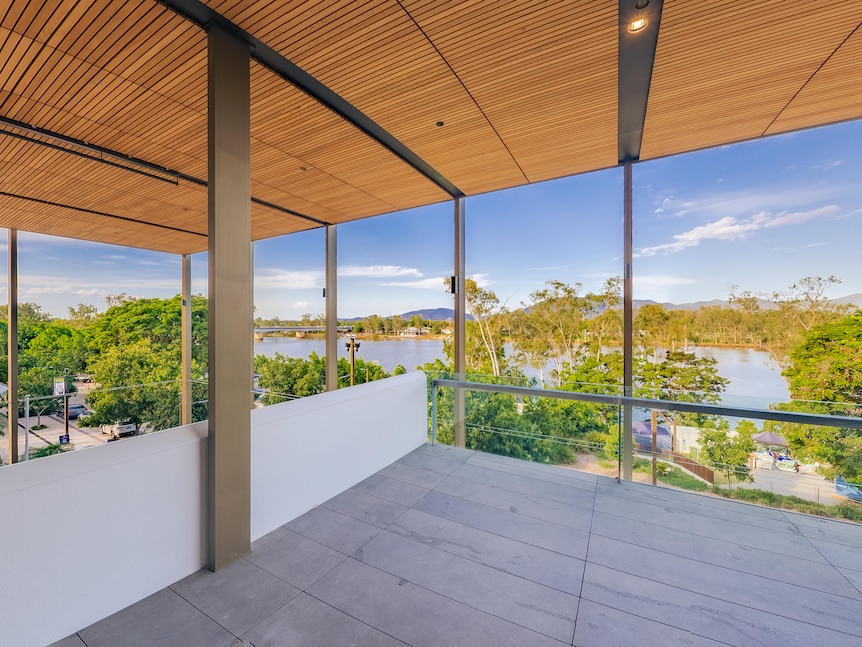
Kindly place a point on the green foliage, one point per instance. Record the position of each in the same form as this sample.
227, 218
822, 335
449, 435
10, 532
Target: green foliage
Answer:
727, 453
48, 450
827, 365
845, 510
282, 376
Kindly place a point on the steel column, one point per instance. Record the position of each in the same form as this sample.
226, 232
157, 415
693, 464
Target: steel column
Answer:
186, 335
230, 299
331, 294
459, 289
628, 318
12, 345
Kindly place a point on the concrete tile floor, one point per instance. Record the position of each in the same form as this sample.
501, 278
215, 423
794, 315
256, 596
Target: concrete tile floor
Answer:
453, 547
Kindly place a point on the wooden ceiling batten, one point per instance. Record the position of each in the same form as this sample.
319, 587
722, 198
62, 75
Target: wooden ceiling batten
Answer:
527, 91
724, 72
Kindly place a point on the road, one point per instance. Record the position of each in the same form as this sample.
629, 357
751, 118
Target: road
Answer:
811, 487
79, 437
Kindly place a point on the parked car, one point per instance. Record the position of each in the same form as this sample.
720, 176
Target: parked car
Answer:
75, 410
120, 429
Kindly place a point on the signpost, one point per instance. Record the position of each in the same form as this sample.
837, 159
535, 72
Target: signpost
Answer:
60, 390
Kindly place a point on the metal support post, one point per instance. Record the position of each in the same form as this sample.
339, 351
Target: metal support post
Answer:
231, 329
12, 345
27, 427
433, 414
628, 318
186, 344
331, 294
459, 290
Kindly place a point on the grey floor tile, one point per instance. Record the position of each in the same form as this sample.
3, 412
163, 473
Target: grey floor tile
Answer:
839, 532
308, 622
433, 463
445, 451
704, 505
69, 641
601, 626
853, 577
755, 592
411, 474
163, 618
539, 565
297, 560
527, 485
689, 501
540, 608
561, 539
333, 529
366, 508
391, 490
567, 478
415, 615
702, 615
816, 574
781, 542
238, 596
840, 555
534, 506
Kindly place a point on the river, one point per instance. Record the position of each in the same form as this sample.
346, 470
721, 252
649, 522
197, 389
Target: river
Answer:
755, 379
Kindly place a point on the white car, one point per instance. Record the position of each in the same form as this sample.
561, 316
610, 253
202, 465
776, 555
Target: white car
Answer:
120, 429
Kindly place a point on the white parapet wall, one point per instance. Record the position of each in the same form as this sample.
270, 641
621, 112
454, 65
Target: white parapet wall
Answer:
85, 534
307, 451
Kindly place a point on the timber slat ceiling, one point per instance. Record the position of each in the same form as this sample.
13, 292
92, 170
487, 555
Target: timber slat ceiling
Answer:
527, 90
725, 71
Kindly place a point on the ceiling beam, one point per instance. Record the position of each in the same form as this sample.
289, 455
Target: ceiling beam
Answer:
102, 155
202, 15
636, 57
103, 214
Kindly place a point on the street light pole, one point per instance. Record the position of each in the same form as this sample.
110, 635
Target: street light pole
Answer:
66, 401
352, 345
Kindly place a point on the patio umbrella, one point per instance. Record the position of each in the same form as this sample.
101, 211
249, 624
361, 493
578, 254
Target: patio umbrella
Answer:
769, 438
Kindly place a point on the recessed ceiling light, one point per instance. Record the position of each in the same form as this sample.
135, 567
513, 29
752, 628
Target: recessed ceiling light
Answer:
302, 168
638, 24
439, 123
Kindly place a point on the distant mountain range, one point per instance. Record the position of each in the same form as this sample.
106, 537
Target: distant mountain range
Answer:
428, 314
850, 299
442, 314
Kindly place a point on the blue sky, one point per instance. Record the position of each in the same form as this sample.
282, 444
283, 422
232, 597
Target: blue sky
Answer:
758, 215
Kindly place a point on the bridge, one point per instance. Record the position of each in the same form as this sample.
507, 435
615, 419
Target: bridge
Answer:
261, 331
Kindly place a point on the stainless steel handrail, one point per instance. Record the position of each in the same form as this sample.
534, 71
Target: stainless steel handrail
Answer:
843, 422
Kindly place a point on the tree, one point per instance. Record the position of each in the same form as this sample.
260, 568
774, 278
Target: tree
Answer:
728, 453
825, 376
827, 365
484, 335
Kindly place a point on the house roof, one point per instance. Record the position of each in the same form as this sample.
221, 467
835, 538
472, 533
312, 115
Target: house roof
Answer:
360, 109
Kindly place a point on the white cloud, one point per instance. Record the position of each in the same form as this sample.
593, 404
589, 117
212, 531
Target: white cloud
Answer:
378, 271
65, 289
825, 166
300, 305
482, 280
732, 228
288, 280
431, 283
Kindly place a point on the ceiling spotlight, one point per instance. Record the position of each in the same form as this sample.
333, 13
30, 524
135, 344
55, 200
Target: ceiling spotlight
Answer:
641, 4
439, 123
637, 25
303, 168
